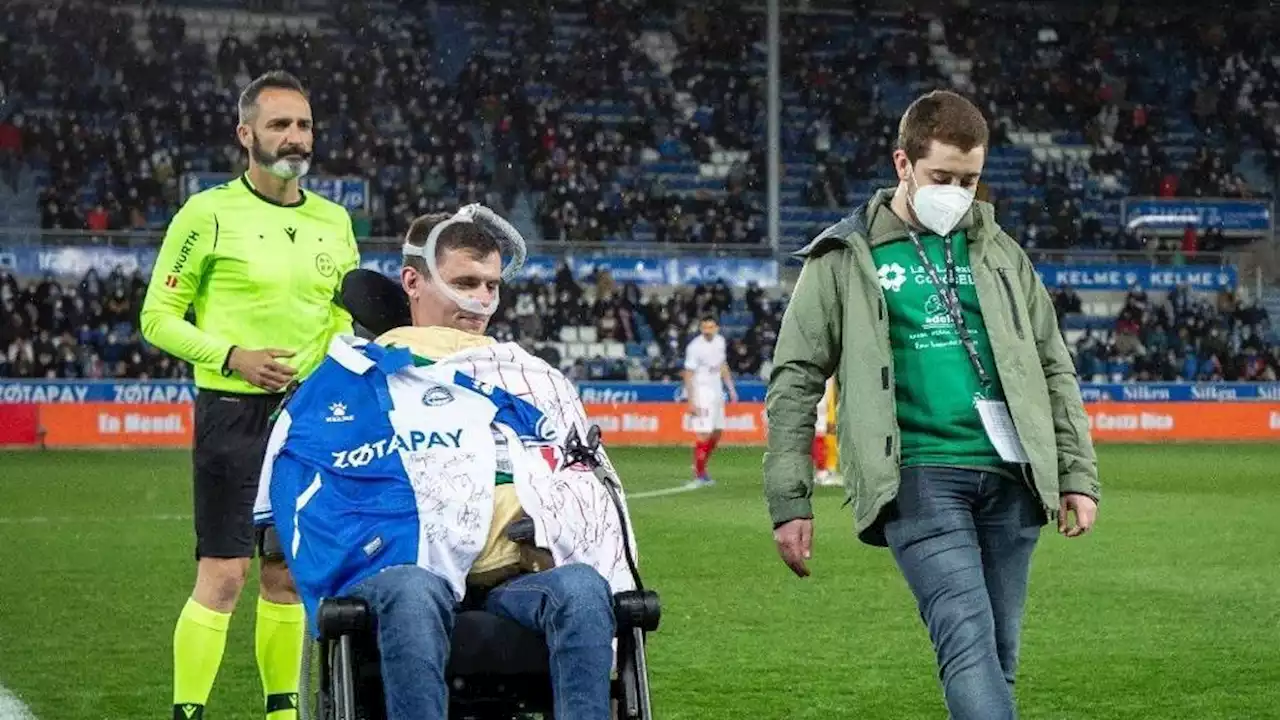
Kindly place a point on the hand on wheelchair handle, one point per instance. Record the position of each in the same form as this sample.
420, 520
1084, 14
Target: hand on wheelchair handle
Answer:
795, 544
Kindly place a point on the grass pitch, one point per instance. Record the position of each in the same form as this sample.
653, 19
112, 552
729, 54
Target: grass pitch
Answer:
1168, 610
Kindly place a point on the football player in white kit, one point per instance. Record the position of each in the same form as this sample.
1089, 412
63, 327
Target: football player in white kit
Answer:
706, 376
823, 445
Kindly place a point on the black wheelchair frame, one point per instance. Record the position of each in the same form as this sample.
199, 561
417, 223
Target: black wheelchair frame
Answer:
497, 669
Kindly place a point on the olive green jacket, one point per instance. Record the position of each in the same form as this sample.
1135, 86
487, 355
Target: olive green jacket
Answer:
836, 324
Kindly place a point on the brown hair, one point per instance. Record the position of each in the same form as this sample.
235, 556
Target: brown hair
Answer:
468, 237
944, 116
276, 79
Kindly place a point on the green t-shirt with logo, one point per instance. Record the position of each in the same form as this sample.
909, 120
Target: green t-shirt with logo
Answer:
936, 383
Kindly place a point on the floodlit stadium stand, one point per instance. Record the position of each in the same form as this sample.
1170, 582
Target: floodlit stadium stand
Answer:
598, 125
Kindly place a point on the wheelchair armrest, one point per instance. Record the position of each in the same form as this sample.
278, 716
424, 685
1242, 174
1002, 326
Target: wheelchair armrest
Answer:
342, 616
637, 609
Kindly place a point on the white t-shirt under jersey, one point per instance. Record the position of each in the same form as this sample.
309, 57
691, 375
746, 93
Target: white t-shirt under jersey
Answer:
704, 358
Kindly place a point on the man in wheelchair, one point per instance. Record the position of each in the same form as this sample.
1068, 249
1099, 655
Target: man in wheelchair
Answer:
400, 471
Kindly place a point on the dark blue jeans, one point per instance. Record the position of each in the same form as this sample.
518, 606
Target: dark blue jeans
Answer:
571, 605
963, 540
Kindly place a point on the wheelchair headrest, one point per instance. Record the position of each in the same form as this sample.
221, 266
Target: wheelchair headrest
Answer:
375, 301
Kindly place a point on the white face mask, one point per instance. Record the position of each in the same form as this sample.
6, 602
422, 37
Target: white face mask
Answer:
289, 168
285, 167
940, 207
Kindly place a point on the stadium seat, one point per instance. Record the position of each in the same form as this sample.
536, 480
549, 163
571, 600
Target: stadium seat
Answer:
587, 333
568, 334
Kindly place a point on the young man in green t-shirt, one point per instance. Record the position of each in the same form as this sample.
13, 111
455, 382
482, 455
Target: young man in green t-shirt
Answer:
961, 426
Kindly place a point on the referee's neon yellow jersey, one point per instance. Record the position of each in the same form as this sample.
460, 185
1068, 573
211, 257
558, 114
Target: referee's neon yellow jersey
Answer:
259, 275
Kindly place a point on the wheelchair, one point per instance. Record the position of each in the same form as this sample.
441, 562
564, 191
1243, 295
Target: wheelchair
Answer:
497, 669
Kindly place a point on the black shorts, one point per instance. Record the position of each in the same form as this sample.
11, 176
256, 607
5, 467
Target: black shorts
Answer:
230, 440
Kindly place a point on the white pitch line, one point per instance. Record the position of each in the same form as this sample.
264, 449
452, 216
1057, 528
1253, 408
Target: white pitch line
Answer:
664, 491
41, 520
11, 708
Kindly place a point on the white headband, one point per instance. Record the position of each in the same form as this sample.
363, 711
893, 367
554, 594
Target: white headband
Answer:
510, 244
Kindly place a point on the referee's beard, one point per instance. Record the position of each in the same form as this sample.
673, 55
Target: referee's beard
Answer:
289, 162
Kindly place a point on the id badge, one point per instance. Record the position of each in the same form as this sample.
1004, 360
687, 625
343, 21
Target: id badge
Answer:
998, 423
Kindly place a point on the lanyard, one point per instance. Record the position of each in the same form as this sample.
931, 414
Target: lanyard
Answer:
951, 298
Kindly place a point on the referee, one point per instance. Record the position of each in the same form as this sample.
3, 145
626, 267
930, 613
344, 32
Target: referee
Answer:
261, 262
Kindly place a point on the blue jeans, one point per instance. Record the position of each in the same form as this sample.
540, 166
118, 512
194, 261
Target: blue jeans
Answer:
571, 605
963, 540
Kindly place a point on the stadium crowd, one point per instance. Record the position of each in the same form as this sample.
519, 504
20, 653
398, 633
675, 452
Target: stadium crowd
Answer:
1183, 337
116, 141
49, 329
84, 330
